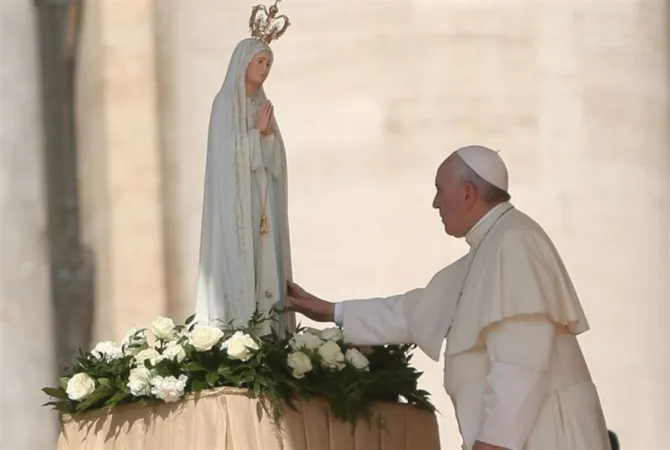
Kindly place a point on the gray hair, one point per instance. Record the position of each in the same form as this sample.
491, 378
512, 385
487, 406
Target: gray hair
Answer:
464, 174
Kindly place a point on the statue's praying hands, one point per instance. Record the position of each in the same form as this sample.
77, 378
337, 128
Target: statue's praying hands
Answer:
263, 118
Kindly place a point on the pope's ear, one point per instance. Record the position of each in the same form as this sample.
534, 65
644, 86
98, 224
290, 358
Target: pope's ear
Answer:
470, 191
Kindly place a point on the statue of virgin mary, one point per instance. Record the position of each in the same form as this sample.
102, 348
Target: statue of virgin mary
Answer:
245, 253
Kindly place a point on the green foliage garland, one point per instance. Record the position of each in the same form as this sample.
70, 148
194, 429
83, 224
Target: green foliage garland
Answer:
183, 359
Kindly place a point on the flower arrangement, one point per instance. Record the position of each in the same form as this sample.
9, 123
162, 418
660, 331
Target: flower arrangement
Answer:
170, 361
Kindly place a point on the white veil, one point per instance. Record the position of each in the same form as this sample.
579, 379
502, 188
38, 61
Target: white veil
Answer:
226, 278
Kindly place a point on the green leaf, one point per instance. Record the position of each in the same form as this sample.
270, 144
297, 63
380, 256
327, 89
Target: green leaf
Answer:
56, 393
190, 319
212, 378
62, 381
225, 370
199, 385
65, 407
194, 367
95, 397
51, 403
116, 398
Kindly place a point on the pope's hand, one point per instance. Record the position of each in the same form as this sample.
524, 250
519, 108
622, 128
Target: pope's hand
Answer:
310, 305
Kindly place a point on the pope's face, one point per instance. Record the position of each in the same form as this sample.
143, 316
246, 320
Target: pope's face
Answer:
259, 68
453, 199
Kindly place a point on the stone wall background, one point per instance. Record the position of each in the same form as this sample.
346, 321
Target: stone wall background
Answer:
371, 96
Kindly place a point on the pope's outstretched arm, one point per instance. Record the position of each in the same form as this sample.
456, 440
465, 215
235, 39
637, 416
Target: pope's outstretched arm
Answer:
365, 322
420, 316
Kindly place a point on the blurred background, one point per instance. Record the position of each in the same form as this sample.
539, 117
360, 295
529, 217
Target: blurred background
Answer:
105, 108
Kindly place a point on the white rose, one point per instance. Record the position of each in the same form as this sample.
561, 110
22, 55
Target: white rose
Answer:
240, 346
163, 328
107, 350
169, 389
139, 381
331, 355
306, 341
148, 353
204, 337
331, 334
300, 363
80, 386
135, 339
311, 330
173, 351
357, 359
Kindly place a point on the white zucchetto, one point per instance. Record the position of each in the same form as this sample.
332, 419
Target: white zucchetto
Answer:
486, 163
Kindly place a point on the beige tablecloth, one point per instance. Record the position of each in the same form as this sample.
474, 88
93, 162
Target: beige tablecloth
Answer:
228, 419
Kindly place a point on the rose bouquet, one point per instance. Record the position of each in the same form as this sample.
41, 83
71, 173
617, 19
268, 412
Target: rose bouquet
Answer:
168, 361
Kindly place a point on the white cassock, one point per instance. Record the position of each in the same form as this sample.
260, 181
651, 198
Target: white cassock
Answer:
513, 367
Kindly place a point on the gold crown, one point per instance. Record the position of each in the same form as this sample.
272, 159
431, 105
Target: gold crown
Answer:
267, 26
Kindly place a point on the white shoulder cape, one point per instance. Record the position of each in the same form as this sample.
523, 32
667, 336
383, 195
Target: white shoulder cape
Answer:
517, 272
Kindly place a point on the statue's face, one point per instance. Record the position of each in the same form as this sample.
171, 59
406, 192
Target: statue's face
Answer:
259, 68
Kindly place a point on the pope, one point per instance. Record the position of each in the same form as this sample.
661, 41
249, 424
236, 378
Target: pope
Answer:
508, 310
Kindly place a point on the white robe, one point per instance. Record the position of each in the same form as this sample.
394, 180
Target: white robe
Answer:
513, 367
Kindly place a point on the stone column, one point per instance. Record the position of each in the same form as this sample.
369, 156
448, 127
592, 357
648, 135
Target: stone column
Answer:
119, 163
26, 335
